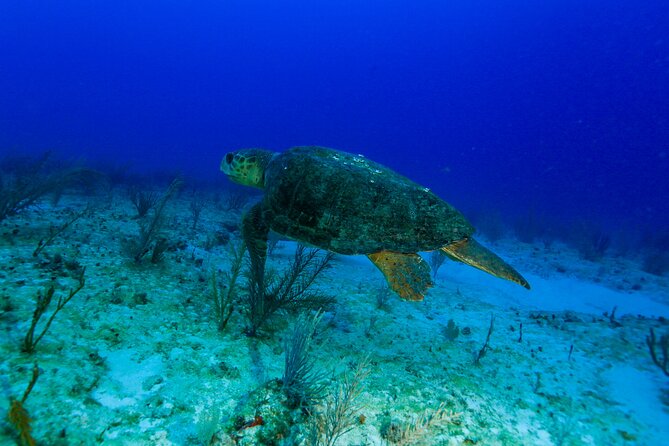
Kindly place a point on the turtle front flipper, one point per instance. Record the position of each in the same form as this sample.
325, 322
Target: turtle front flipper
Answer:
407, 274
472, 253
255, 230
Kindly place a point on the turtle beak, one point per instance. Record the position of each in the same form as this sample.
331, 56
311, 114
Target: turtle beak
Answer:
226, 163
230, 168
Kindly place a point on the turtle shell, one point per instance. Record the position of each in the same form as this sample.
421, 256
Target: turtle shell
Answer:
350, 205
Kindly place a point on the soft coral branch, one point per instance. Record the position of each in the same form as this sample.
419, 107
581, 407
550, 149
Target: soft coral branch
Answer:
664, 347
18, 415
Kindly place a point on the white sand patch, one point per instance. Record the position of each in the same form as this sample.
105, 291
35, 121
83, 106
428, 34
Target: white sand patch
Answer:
554, 294
638, 393
127, 377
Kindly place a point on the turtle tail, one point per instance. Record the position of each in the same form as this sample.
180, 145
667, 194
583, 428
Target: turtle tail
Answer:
472, 253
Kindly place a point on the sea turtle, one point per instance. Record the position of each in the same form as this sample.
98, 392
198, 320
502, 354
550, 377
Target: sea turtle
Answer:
348, 204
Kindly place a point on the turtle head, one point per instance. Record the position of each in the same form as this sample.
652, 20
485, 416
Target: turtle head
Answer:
247, 166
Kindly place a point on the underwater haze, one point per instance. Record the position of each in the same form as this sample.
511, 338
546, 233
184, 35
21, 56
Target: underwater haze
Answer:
131, 313
561, 106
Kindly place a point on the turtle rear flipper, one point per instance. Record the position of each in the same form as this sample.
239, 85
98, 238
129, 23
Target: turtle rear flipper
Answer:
407, 274
472, 253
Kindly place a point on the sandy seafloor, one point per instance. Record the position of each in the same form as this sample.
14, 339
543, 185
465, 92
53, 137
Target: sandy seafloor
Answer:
121, 367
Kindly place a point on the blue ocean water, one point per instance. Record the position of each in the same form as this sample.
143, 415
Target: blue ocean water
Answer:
561, 106
545, 123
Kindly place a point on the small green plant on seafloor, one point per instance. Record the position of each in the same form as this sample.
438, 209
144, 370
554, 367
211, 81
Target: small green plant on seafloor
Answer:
142, 201
437, 258
486, 346
413, 431
590, 240
44, 298
24, 181
149, 239
55, 231
196, 205
340, 410
451, 331
224, 295
302, 382
18, 415
383, 296
235, 200
651, 342
269, 293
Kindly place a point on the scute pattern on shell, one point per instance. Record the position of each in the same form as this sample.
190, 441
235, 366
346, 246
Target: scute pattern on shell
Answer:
351, 205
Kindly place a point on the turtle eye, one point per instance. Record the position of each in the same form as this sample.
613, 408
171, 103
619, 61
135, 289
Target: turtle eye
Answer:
228, 158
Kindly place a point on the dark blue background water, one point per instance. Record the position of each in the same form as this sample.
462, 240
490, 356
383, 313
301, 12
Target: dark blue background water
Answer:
557, 106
